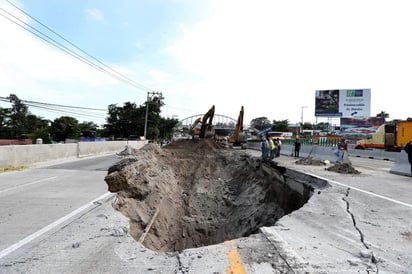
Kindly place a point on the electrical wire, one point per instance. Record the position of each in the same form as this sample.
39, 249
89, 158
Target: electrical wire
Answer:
113, 73
79, 111
78, 48
97, 64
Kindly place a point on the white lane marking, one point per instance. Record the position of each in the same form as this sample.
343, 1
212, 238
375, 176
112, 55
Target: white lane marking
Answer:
45, 229
32, 183
364, 191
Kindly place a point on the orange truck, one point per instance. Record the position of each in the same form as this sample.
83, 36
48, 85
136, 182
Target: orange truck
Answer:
397, 135
392, 136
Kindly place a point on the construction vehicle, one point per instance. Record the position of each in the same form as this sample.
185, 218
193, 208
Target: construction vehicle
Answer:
202, 126
391, 136
239, 138
206, 129
195, 128
374, 140
397, 135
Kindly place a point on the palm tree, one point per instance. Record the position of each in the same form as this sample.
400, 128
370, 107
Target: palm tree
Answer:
383, 114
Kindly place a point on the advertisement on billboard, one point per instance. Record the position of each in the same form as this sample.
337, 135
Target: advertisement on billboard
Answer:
358, 128
355, 102
327, 103
343, 103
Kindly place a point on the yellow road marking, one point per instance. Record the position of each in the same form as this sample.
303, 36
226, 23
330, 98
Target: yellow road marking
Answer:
235, 263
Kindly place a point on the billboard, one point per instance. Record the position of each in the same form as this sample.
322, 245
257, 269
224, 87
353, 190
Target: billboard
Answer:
327, 103
343, 103
358, 128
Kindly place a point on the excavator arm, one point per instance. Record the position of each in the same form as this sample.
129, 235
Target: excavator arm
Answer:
207, 122
239, 138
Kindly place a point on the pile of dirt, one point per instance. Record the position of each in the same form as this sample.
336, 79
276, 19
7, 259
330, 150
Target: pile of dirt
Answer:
192, 193
344, 168
309, 161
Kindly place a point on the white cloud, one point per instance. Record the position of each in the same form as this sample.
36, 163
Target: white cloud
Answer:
95, 14
35, 70
271, 56
159, 76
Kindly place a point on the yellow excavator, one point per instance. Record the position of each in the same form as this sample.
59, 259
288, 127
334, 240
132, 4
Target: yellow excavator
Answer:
238, 138
206, 127
195, 128
203, 126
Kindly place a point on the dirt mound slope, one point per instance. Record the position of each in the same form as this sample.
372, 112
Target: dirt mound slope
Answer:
343, 168
192, 193
309, 161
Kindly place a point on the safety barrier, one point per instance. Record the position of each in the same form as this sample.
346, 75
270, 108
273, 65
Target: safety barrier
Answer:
26, 155
323, 152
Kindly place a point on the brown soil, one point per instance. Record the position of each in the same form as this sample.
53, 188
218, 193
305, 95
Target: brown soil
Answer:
343, 168
192, 193
309, 161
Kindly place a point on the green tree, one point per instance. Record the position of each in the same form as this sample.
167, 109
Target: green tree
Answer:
383, 114
4, 123
65, 128
125, 121
17, 117
88, 129
281, 125
307, 125
260, 123
166, 128
43, 133
129, 120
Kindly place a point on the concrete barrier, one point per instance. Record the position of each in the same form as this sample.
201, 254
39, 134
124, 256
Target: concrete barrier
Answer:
400, 161
401, 165
327, 152
26, 155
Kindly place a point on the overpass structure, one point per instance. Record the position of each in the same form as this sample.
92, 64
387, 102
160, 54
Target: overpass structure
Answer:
223, 125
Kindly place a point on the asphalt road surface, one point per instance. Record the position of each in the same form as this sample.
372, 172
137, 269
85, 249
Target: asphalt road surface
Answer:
36, 201
59, 219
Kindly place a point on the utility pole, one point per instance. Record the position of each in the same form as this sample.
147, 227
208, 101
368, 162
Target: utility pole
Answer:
301, 118
149, 96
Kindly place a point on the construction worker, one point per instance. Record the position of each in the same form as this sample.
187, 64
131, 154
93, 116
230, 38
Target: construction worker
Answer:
340, 151
272, 148
264, 146
297, 147
408, 150
278, 144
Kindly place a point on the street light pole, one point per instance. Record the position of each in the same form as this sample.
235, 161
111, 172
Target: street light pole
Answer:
301, 118
147, 108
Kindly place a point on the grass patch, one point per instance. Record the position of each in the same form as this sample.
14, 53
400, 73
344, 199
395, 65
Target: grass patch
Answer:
7, 169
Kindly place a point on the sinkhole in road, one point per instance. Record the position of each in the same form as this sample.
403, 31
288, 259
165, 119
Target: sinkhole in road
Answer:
194, 193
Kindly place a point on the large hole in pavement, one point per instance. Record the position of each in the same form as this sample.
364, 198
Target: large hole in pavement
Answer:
193, 193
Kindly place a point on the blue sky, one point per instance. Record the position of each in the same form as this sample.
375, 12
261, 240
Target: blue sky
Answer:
267, 55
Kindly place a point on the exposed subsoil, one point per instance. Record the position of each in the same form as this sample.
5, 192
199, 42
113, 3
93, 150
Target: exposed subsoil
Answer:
344, 168
309, 161
192, 193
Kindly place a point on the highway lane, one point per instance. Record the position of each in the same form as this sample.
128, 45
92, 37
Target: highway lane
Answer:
33, 199
321, 233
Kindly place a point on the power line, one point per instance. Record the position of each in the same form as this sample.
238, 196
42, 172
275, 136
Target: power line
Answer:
79, 111
63, 48
56, 105
113, 73
6, 99
78, 48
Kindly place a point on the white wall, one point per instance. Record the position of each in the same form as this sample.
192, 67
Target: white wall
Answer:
26, 155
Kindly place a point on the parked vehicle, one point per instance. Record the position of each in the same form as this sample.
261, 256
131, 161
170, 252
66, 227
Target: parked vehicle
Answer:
373, 140
392, 136
397, 135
